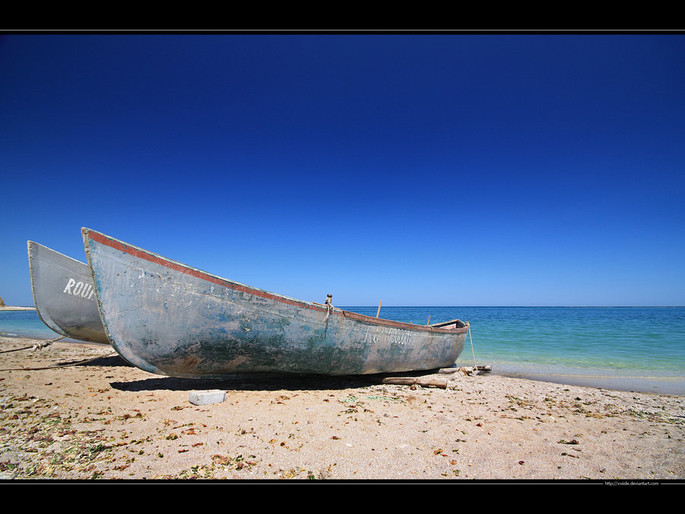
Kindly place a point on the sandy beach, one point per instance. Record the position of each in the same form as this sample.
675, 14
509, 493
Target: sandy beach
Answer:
75, 411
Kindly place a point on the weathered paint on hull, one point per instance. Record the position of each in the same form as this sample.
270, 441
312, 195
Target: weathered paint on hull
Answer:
63, 295
172, 319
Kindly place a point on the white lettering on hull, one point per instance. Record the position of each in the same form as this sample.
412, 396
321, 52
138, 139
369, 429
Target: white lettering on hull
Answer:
79, 289
388, 335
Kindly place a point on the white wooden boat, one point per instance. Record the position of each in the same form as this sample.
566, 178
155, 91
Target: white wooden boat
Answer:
63, 294
172, 319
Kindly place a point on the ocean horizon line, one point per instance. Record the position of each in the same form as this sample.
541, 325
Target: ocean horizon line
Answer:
527, 306
473, 306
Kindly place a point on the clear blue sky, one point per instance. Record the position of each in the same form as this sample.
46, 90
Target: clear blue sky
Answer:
415, 169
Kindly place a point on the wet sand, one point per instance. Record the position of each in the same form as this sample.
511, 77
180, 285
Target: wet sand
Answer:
74, 411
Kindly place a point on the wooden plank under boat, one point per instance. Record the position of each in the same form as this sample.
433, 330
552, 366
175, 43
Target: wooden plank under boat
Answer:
171, 319
63, 294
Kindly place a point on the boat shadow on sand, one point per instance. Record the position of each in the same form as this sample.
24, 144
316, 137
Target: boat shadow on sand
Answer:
240, 381
251, 382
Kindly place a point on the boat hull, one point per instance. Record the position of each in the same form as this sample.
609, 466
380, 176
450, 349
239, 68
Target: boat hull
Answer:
63, 295
171, 319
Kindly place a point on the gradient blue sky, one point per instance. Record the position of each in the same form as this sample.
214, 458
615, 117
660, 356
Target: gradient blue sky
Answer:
448, 169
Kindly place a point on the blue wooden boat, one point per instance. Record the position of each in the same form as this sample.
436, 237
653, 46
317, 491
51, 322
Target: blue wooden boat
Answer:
172, 319
63, 294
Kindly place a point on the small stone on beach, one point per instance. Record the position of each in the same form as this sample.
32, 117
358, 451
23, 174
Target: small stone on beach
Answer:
206, 397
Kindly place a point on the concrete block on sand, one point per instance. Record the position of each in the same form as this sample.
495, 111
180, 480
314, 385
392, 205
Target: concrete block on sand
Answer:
207, 397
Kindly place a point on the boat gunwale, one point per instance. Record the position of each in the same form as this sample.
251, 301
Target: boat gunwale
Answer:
30, 243
52, 325
203, 275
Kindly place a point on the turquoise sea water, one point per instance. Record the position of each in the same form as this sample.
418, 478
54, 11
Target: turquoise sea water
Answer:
633, 348
24, 324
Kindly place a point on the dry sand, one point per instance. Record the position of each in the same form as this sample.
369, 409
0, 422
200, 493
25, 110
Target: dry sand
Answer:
65, 419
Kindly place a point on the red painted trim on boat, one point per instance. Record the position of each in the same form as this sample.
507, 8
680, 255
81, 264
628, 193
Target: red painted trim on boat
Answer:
167, 263
176, 266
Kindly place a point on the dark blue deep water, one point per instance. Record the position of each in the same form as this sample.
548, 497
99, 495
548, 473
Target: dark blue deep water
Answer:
633, 348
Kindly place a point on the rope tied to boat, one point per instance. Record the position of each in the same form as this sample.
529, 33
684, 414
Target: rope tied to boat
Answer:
473, 352
44, 344
61, 365
37, 346
329, 307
